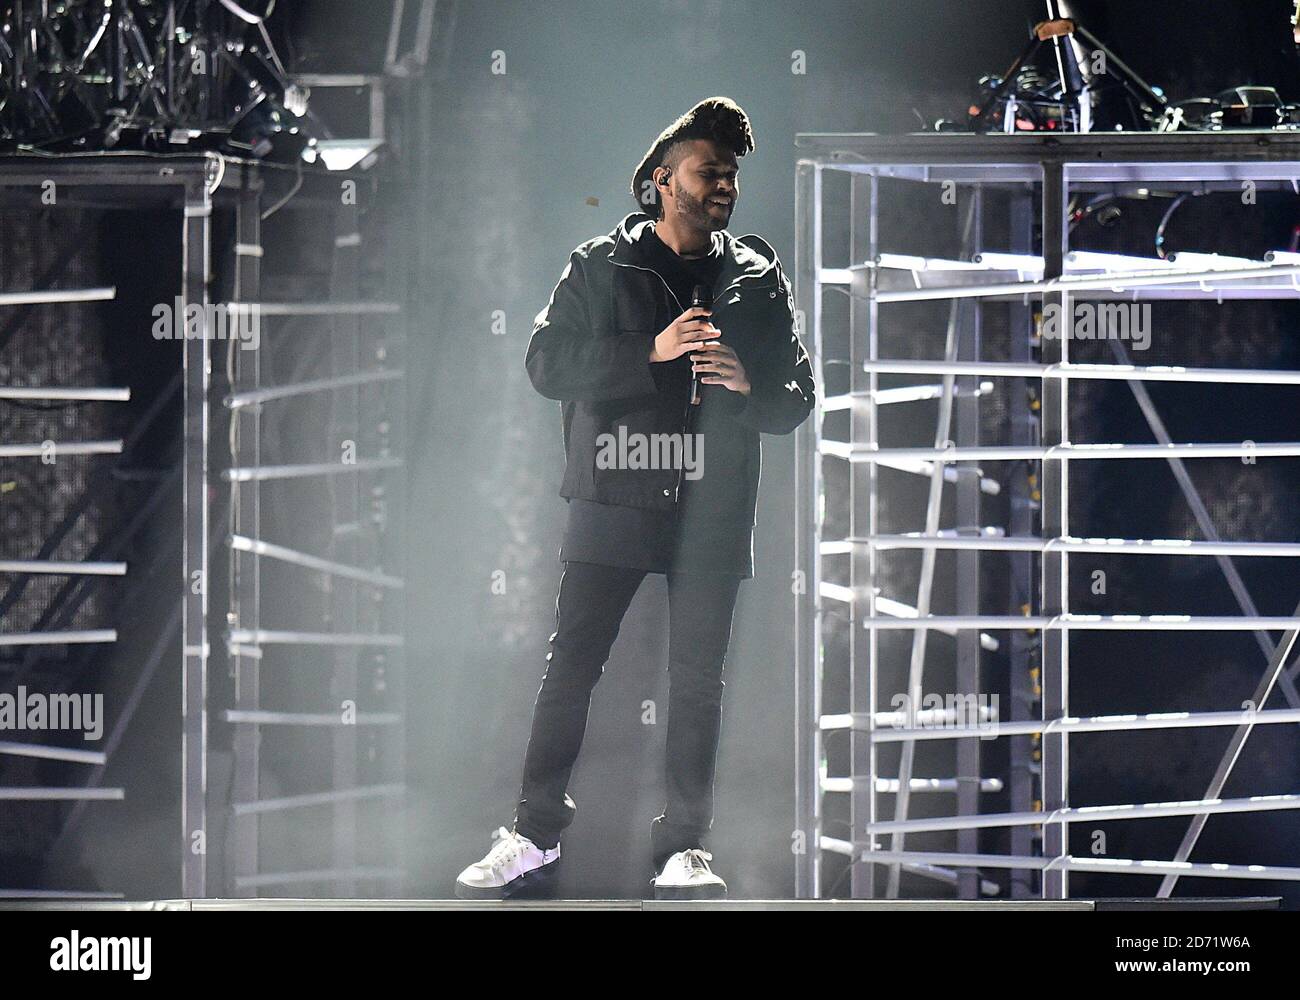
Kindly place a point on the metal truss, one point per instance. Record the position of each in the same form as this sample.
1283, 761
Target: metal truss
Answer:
356, 646
1035, 177
216, 622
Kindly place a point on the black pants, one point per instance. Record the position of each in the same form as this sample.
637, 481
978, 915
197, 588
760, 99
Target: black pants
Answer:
588, 611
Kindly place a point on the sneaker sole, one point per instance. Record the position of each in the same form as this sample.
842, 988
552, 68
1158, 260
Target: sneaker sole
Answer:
536, 881
690, 892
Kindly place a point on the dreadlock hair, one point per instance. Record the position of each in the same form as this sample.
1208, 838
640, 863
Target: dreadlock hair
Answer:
717, 118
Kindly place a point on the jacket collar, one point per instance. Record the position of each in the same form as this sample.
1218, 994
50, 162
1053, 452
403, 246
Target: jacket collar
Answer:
738, 260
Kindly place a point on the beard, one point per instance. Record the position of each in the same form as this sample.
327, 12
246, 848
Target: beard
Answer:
694, 212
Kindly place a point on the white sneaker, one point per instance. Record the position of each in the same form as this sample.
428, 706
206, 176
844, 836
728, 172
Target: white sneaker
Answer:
687, 875
514, 863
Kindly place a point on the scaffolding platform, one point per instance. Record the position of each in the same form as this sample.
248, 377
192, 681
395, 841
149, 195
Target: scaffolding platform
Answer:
1017, 195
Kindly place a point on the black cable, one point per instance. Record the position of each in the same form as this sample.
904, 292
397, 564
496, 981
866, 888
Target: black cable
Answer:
1164, 221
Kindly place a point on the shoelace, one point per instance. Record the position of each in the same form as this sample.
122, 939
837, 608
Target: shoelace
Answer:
507, 846
698, 860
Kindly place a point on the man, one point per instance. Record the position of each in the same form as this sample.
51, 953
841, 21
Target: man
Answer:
618, 345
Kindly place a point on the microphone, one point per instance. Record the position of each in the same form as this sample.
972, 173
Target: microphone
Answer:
699, 297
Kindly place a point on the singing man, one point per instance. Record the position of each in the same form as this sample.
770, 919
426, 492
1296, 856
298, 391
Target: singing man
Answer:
623, 350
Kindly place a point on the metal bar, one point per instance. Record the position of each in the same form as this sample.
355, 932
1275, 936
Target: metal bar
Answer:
846, 848
1113, 866
1095, 623
1031, 862
14, 321
326, 308
1063, 452
264, 637
898, 609
253, 397
900, 394
268, 472
335, 79
1092, 260
71, 393
318, 799
925, 583
58, 637
1120, 372
833, 845
344, 424
1215, 261
41, 752
56, 448
927, 717
196, 268
1119, 866
34, 794
1055, 510
266, 879
51, 296
1111, 282
246, 574
808, 491
389, 612
1093, 724
966, 405
910, 262
889, 786
1023, 506
1095, 814
1138, 546
288, 555
263, 717
863, 500
951, 473
424, 33
56, 567
394, 36
1077, 261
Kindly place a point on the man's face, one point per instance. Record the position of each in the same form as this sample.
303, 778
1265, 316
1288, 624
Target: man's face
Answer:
703, 188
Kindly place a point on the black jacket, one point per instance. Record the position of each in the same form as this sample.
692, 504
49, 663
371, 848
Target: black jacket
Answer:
590, 349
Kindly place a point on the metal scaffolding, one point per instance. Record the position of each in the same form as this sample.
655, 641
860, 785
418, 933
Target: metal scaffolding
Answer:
352, 639
351, 488
1033, 178
24, 569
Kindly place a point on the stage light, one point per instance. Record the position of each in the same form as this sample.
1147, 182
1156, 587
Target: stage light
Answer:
342, 154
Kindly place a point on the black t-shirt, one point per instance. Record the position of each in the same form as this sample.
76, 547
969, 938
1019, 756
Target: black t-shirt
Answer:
684, 273
710, 531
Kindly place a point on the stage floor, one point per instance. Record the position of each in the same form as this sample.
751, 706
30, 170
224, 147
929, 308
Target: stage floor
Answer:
895, 905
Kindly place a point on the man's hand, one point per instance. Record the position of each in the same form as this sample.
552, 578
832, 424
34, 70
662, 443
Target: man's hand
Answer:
718, 364
683, 333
